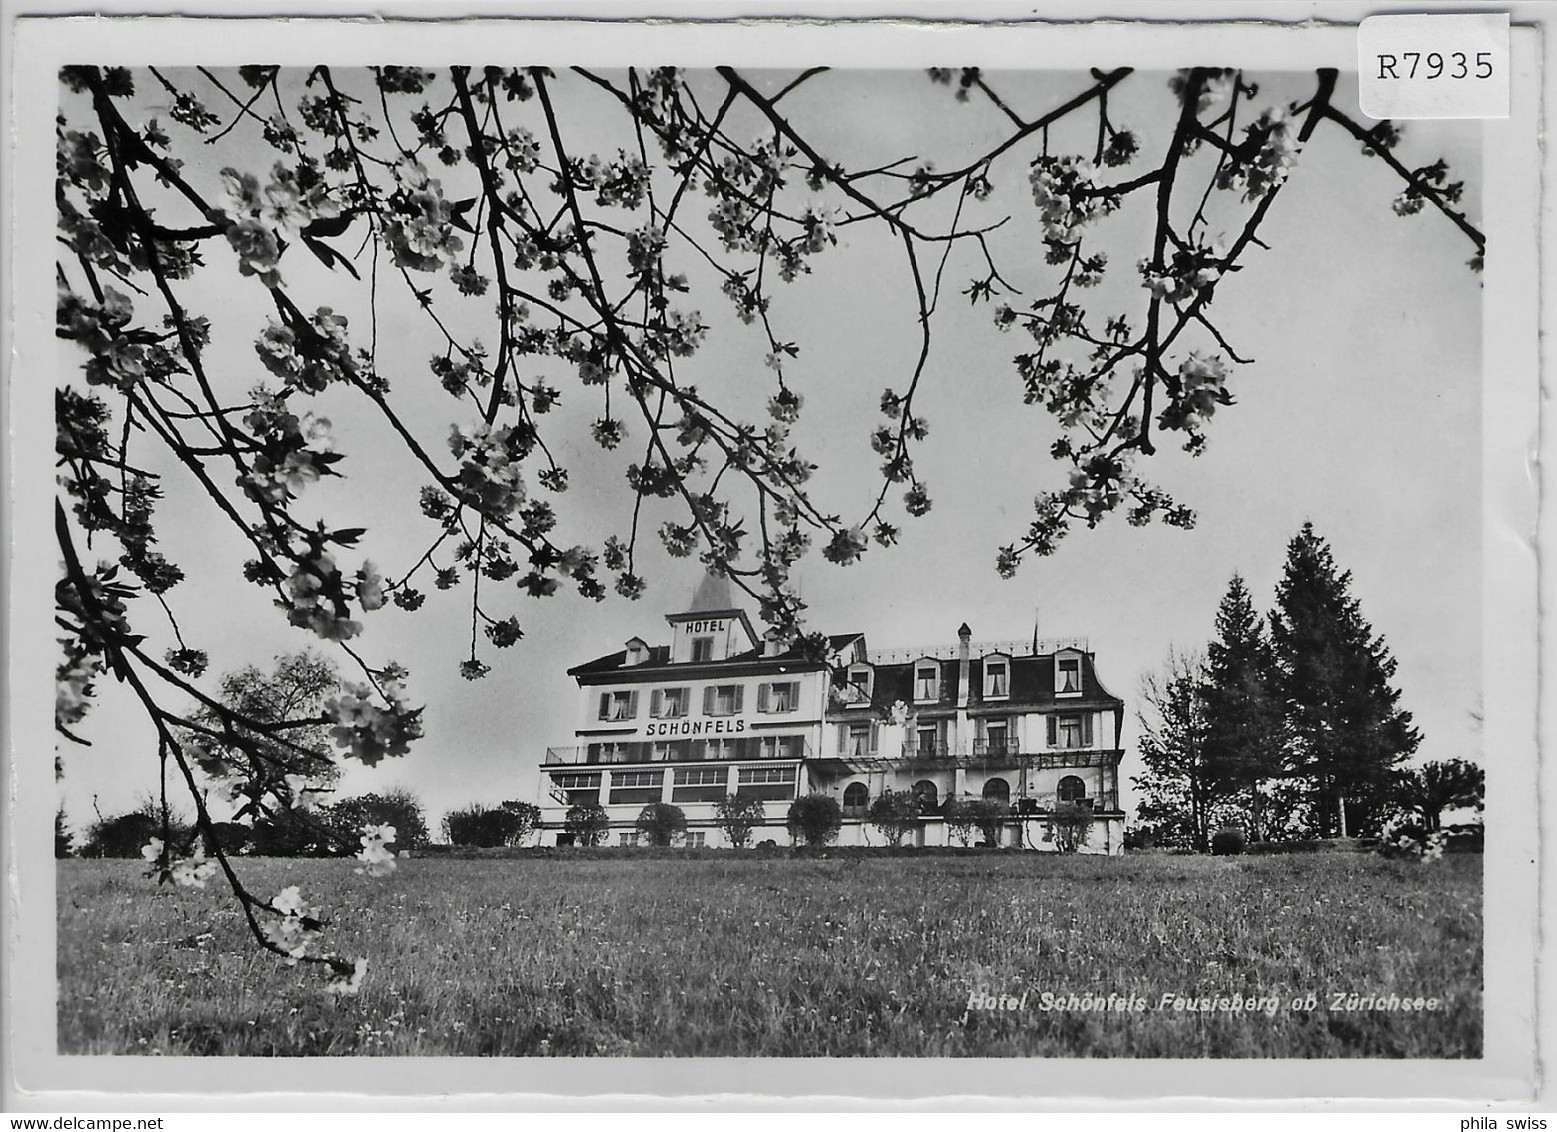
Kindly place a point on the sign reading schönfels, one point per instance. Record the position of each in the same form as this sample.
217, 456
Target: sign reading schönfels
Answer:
688, 728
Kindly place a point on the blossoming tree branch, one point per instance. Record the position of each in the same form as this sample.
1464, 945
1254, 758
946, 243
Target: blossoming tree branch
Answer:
541, 266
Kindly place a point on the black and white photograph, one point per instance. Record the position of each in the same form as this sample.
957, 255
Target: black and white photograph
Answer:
665, 544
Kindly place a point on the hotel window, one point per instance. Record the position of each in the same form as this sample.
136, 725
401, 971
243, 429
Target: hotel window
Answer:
1067, 676
610, 753
859, 685
636, 786
702, 649
858, 739
579, 789
722, 699
778, 747
697, 839
856, 798
699, 784
627, 840
997, 679
669, 703
1072, 789
769, 783
776, 699
1070, 731
616, 706
667, 752
720, 749
927, 682
997, 736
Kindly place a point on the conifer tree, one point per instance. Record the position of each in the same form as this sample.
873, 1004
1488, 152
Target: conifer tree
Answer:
1245, 734
1348, 732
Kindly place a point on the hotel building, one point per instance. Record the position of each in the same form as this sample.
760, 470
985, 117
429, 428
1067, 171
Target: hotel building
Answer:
720, 710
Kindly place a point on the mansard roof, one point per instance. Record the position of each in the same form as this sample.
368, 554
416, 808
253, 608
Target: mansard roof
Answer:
1031, 682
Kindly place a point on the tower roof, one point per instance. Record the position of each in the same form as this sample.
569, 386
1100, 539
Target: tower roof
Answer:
713, 595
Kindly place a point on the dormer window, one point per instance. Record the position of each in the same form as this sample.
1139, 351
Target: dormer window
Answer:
637, 652
927, 682
857, 690
702, 649
997, 679
1067, 676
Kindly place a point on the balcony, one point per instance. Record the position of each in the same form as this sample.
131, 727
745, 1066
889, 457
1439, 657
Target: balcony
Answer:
788, 747
1007, 748
1040, 805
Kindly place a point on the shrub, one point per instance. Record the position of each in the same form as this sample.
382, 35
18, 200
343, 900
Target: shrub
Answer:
1140, 838
478, 827
292, 833
895, 813
61, 835
1070, 826
120, 836
587, 823
814, 819
660, 823
1229, 841
229, 836
738, 816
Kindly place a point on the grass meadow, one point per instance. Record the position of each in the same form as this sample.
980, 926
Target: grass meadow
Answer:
777, 957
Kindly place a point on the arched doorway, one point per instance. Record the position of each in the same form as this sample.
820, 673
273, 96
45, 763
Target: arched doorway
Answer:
856, 796
997, 790
1073, 789
928, 795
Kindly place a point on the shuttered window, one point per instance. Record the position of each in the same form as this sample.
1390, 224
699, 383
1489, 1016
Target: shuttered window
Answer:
722, 699
615, 706
775, 699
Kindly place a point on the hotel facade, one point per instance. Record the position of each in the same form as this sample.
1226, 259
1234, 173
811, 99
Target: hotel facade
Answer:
721, 710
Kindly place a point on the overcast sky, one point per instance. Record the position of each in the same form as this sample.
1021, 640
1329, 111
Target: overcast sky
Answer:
1360, 413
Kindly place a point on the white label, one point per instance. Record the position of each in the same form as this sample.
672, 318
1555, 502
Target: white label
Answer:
1433, 66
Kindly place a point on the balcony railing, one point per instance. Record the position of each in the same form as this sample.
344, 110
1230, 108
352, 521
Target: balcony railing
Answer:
996, 748
679, 751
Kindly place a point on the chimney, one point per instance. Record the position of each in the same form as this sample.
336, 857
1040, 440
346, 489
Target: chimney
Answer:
964, 636
772, 643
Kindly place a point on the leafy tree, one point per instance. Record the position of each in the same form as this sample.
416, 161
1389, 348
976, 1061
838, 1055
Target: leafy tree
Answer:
1177, 791
895, 813
660, 823
1245, 732
1069, 826
738, 815
990, 816
1429, 790
399, 807
964, 815
524, 819
814, 819
587, 822
1348, 734
267, 742
540, 228
62, 846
